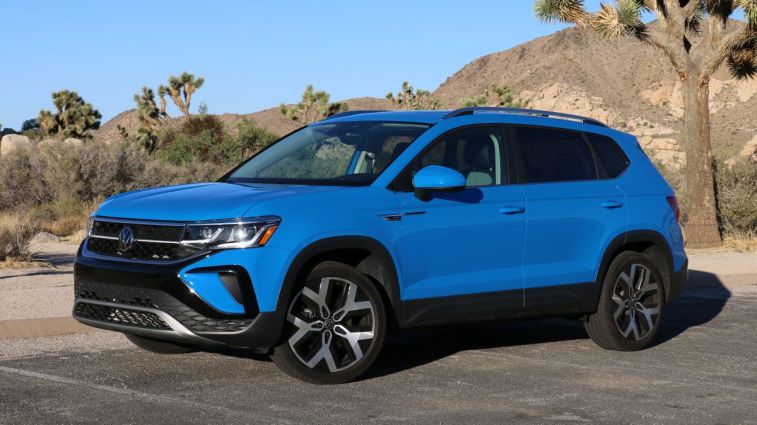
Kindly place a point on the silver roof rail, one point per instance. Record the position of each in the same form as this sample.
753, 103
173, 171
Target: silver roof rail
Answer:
516, 111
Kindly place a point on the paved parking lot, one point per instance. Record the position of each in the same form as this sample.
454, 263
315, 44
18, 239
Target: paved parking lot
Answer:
702, 370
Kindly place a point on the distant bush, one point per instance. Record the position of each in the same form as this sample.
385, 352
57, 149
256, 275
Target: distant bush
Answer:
737, 198
59, 177
16, 232
204, 138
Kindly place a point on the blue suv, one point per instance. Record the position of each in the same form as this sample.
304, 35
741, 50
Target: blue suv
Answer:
371, 221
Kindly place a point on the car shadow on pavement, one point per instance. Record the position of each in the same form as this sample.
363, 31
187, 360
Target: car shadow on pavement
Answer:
703, 301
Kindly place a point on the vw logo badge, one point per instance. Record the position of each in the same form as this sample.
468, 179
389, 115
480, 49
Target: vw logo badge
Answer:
125, 239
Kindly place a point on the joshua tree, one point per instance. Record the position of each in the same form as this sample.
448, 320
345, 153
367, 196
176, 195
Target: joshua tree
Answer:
502, 96
314, 106
162, 92
695, 56
411, 99
149, 116
180, 89
73, 117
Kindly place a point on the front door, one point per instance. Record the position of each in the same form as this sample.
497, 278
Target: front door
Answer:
467, 242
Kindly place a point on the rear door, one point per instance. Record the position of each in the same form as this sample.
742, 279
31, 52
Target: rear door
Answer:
573, 213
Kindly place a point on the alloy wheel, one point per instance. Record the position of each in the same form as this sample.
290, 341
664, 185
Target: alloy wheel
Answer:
636, 298
333, 324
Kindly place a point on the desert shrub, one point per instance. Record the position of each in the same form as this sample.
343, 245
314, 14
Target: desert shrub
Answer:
737, 198
16, 232
61, 185
63, 217
203, 138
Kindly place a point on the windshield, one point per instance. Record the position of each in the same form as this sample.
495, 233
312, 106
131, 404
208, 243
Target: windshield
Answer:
347, 153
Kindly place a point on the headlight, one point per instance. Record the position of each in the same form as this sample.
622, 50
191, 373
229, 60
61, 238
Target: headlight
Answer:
245, 233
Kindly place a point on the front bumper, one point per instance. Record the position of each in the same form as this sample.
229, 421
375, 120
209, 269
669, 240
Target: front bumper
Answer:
151, 300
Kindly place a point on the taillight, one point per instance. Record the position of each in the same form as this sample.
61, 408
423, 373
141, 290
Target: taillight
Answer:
673, 202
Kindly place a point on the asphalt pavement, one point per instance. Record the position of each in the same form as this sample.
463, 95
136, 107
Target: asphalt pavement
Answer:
702, 369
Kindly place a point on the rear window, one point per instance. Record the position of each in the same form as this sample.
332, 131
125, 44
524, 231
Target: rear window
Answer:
611, 159
548, 155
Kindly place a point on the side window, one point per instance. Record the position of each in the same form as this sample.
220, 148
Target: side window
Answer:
610, 157
475, 152
550, 155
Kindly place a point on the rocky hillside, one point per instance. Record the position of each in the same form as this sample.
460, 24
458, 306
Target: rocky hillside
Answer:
625, 83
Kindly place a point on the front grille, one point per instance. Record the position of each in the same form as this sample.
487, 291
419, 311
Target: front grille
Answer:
120, 315
150, 298
141, 231
154, 251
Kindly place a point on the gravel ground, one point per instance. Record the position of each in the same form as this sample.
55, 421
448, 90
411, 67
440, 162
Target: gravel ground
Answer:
701, 370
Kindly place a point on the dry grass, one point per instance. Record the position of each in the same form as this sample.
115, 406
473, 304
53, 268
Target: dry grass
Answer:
16, 232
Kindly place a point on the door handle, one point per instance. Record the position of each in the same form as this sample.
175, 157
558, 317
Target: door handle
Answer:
611, 204
509, 210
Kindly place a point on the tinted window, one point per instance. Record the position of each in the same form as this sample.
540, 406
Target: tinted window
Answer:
548, 155
610, 157
475, 152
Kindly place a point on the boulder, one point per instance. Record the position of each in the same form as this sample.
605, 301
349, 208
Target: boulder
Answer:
14, 142
45, 237
48, 143
72, 143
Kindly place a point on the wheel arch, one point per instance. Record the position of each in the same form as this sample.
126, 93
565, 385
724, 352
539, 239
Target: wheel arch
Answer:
648, 242
366, 254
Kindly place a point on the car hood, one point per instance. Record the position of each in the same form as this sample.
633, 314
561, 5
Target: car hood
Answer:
193, 202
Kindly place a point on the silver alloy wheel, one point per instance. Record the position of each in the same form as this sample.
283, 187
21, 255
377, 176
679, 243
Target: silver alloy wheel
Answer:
330, 326
636, 295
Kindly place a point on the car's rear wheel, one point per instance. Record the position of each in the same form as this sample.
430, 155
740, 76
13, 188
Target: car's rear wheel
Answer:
630, 306
160, 347
335, 326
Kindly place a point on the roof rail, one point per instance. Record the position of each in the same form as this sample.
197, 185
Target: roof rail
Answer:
516, 111
356, 112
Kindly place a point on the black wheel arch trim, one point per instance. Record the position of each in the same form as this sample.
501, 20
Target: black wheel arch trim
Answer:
387, 271
643, 236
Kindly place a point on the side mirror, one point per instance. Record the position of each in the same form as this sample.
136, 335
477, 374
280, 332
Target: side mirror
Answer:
435, 178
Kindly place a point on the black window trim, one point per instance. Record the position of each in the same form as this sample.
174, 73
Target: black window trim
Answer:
598, 161
598, 166
505, 160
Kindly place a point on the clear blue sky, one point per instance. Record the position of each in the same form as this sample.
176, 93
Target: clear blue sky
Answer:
253, 54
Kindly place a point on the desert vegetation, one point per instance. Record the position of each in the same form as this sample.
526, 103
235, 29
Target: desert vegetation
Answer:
409, 98
50, 185
314, 106
499, 95
695, 56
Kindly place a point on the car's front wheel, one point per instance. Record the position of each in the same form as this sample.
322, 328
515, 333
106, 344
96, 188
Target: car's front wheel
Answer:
335, 326
629, 312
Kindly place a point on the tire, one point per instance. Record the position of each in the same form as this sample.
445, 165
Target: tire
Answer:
160, 347
335, 326
628, 317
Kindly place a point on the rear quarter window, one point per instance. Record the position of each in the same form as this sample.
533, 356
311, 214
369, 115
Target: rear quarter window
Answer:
551, 155
611, 158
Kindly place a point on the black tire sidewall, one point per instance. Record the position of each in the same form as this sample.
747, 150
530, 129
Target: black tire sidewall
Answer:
607, 305
286, 359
